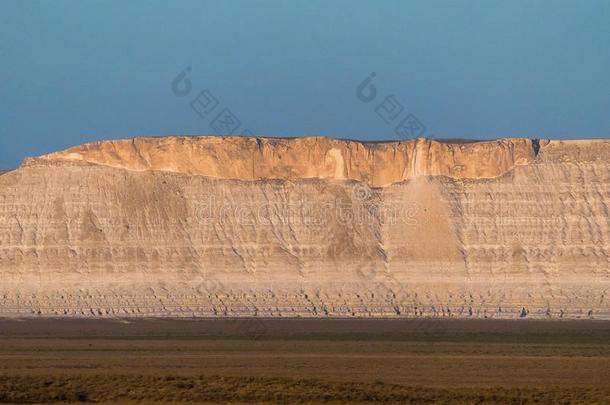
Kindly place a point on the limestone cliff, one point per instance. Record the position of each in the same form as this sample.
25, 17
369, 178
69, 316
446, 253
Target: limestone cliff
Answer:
244, 158
215, 226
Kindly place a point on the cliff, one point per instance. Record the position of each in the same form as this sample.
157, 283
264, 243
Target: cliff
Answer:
219, 226
245, 158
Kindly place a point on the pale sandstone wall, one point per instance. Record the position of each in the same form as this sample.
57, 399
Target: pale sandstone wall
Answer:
244, 158
244, 226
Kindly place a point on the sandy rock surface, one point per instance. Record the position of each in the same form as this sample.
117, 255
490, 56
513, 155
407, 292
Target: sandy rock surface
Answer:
310, 227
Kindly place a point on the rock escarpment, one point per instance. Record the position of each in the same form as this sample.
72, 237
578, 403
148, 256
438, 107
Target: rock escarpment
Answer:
242, 158
237, 226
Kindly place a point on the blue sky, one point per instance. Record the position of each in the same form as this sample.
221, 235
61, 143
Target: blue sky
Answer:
73, 71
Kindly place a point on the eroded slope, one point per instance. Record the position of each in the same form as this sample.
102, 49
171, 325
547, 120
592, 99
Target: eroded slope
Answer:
246, 226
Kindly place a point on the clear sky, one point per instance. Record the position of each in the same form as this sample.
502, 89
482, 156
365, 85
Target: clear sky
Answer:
75, 71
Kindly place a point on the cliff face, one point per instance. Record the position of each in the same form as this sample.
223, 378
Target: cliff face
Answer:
242, 158
212, 226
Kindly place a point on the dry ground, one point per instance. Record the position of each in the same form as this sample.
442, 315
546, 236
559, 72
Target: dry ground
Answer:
305, 361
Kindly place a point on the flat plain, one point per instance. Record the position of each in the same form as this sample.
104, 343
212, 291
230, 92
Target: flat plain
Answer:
305, 361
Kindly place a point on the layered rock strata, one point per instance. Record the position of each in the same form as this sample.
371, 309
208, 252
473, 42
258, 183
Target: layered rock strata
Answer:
310, 227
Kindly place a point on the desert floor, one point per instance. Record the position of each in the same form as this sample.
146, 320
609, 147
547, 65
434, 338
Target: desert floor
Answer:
305, 361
